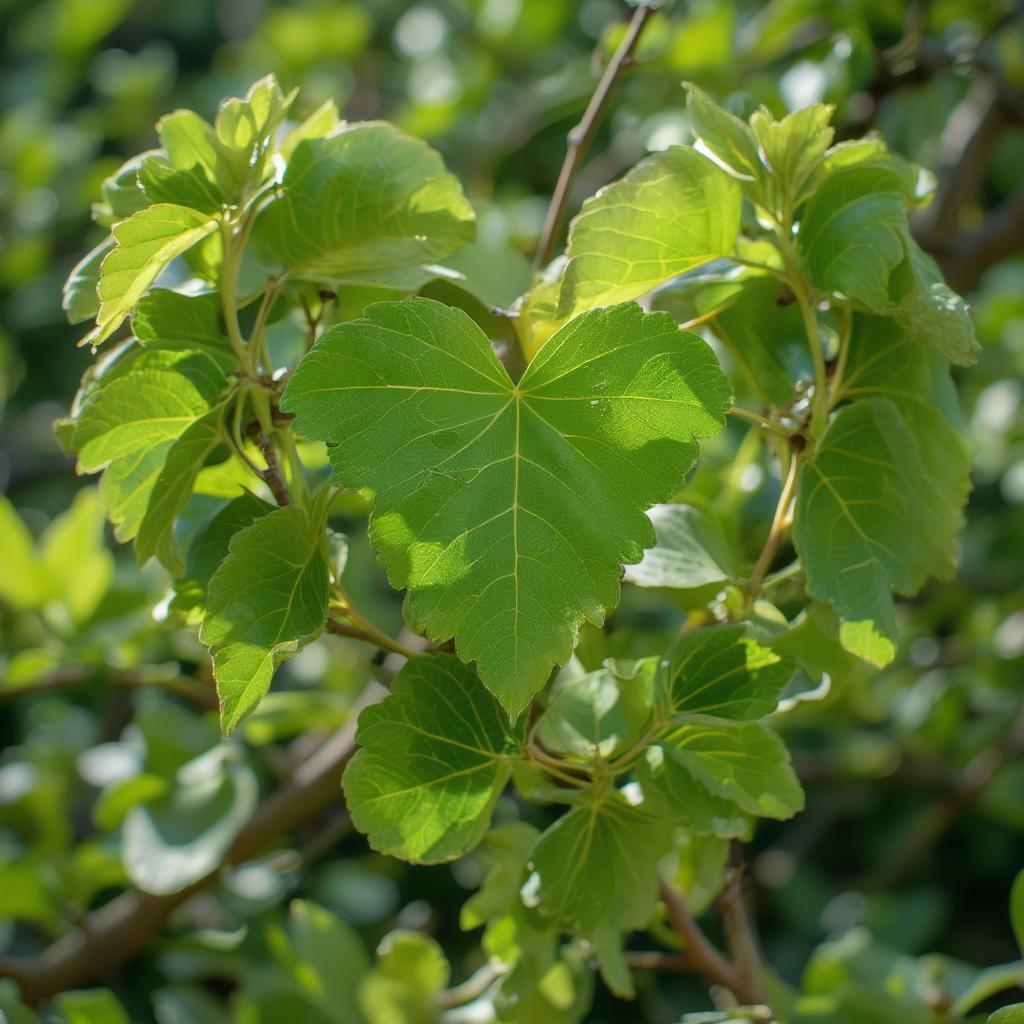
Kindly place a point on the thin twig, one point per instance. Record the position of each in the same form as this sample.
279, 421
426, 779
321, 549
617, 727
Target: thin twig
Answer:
775, 534
372, 636
472, 988
705, 957
583, 134
67, 678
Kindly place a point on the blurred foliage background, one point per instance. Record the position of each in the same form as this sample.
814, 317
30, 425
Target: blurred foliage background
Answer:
915, 820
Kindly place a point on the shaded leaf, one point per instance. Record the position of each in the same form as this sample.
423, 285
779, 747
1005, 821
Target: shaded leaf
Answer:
689, 551
265, 602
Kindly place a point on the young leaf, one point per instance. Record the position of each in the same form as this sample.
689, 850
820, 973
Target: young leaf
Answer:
865, 526
670, 786
689, 551
508, 510
739, 761
599, 714
725, 136
171, 318
673, 212
143, 246
211, 545
367, 205
267, 601
723, 671
433, 803
794, 146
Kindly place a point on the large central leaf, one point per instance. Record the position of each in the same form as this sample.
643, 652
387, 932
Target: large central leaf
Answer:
508, 510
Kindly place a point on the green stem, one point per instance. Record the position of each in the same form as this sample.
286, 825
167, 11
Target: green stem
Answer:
819, 413
987, 984
228, 292
845, 329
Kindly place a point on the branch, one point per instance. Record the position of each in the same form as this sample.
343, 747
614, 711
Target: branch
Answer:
369, 634
583, 134
1001, 235
272, 474
67, 678
117, 930
704, 957
739, 929
968, 140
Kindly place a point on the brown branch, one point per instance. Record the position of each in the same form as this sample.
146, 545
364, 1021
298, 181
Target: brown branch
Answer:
583, 134
68, 678
739, 928
272, 474
1001, 235
117, 930
706, 959
968, 140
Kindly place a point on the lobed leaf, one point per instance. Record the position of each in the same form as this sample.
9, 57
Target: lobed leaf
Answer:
508, 510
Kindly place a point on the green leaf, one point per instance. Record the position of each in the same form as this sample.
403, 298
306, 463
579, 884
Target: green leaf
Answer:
169, 320
363, 206
865, 526
402, 988
851, 234
176, 839
267, 601
701, 872
245, 129
325, 959
726, 137
20, 585
884, 363
1017, 909
122, 193
674, 211
597, 715
434, 802
144, 245
739, 761
1013, 1014
508, 510
689, 551
11, 1006
723, 671
930, 312
210, 546
793, 147
91, 1006
194, 157
80, 298
505, 851
766, 339
602, 839
173, 488
669, 785
74, 558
